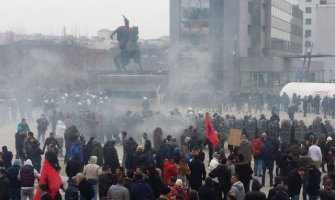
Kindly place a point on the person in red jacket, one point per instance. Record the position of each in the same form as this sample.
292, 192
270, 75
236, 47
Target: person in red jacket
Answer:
178, 192
170, 168
257, 144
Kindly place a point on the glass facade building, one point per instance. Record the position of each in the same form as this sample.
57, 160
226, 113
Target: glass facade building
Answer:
194, 25
286, 28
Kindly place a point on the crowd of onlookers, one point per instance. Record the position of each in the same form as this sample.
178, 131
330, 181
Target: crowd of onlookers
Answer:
157, 167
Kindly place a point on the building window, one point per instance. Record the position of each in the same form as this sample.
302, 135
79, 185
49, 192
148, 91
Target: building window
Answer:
308, 21
308, 43
308, 0
308, 9
308, 33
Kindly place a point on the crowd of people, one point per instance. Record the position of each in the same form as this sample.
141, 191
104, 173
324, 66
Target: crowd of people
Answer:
169, 163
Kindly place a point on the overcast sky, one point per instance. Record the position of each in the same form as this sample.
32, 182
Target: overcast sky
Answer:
84, 17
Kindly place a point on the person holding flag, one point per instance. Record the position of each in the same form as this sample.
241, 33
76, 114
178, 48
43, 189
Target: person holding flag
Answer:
51, 178
211, 136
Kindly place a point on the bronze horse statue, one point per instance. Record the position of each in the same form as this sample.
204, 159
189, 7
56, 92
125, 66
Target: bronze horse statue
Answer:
127, 38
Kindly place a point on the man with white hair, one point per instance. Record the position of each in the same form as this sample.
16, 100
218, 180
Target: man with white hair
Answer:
92, 172
27, 176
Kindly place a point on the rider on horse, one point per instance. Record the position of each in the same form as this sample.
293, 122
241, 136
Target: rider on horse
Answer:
127, 38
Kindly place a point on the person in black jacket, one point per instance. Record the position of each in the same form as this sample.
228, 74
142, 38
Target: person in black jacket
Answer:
7, 157
130, 147
295, 182
198, 172
244, 170
140, 190
110, 155
15, 184
280, 194
105, 181
223, 173
155, 181
85, 188
36, 155
74, 166
313, 184
278, 181
255, 194
4, 182
327, 193
207, 192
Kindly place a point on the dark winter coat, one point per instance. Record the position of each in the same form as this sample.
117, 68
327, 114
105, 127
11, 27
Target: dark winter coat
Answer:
99, 153
111, 156
42, 124
207, 193
156, 183
139, 159
72, 193
105, 182
198, 173
280, 194
314, 180
163, 153
244, 171
269, 150
27, 176
223, 173
141, 190
86, 190
4, 185
73, 167
7, 157
326, 194
294, 183
255, 194
12, 176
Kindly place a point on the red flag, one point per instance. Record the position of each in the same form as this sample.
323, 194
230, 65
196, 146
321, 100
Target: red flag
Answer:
210, 131
50, 177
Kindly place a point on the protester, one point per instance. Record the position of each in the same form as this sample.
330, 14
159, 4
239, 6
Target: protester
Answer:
237, 188
4, 182
27, 176
255, 193
15, 184
91, 172
118, 191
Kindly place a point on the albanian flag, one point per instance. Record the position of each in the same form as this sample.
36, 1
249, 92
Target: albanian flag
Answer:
210, 131
50, 177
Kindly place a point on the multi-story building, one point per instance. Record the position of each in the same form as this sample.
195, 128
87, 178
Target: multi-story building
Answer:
324, 39
237, 44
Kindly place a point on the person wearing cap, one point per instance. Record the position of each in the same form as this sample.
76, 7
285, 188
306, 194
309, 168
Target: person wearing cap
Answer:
178, 191
15, 184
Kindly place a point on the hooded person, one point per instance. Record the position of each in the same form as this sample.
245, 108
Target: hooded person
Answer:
237, 187
27, 176
255, 193
15, 185
178, 192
